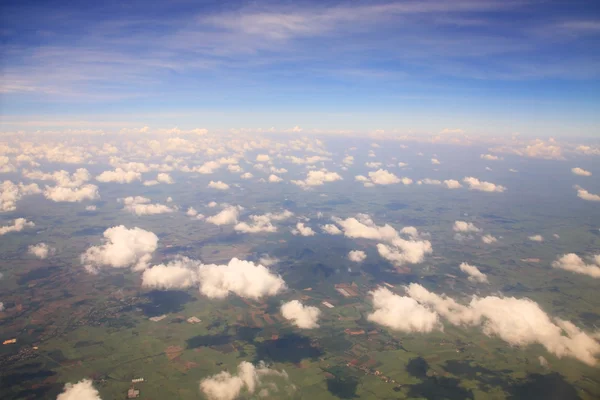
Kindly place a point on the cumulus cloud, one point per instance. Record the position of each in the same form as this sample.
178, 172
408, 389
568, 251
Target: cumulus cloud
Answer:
536, 238
274, 178
218, 185
475, 275
373, 164
396, 249
304, 317
41, 250
488, 239
476, 184
348, 160
331, 229
317, 178
465, 227
572, 262
178, 274
448, 183
246, 175
122, 248
519, 322
243, 278
580, 172
139, 205
402, 313
119, 175
228, 216
72, 195
18, 225
11, 192
303, 230
249, 379
382, 177
262, 158
585, 195
62, 177
490, 157
82, 390
193, 213
357, 256
435, 161
262, 223
160, 178
452, 184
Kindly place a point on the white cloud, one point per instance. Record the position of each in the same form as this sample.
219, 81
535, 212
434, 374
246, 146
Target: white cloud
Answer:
490, 157
122, 248
71, 195
348, 160
585, 195
383, 177
304, 317
246, 175
139, 205
82, 390
519, 322
357, 256
488, 239
212, 204
274, 178
262, 158
475, 275
90, 208
318, 178
235, 168
428, 181
465, 227
303, 230
263, 223
572, 262
452, 184
225, 386
267, 260
476, 184
208, 167
160, 178
435, 161
192, 212
119, 175
218, 185
331, 229
10, 193
181, 273
402, 313
41, 250
397, 250
536, 238
243, 278
581, 172
373, 164
227, 216
62, 177
18, 225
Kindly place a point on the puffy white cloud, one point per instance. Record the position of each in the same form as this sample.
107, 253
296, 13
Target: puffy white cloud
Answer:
519, 322
318, 178
191, 212
41, 250
274, 178
229, 215
435, 161
6, 166
82, 390
476, 184
428, 181
303, 230
402, 164
62, 177
218, 185
331, 229
572, 262
585, 195
262, 158
488, 239
212, 204
397, 250
208, 167
10, 193
549, 150
246, 175
536, 238
181, 273
71, 195
452, 184
306, 160
18, 225
382, 177
225, 386
243, 278
263, 223
490, 157
348, 160
465, 227
267, 260
235, 168
304, 317
581, 171
139, 205
475, 275
357, 256
373, 164
119, 175
402, 313
122, 248
162, 177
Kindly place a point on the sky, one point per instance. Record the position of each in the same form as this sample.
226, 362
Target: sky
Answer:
484, 67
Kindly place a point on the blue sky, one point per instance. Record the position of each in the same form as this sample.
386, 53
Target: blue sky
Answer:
487, 67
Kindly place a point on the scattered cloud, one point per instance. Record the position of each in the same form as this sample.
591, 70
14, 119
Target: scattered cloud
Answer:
263, 223
488, 239
536, 238
304, 317
18, 225
435, 161
357, 256
41, 250
139, 205
122, 248
573, 263
119, 175
317, 178
465, 227
82, 390
490, 157
274, 179
303, 230
331, 229
228, 216
585, 195
474, 274
218, 185
580, 172
476, 184
11, 192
